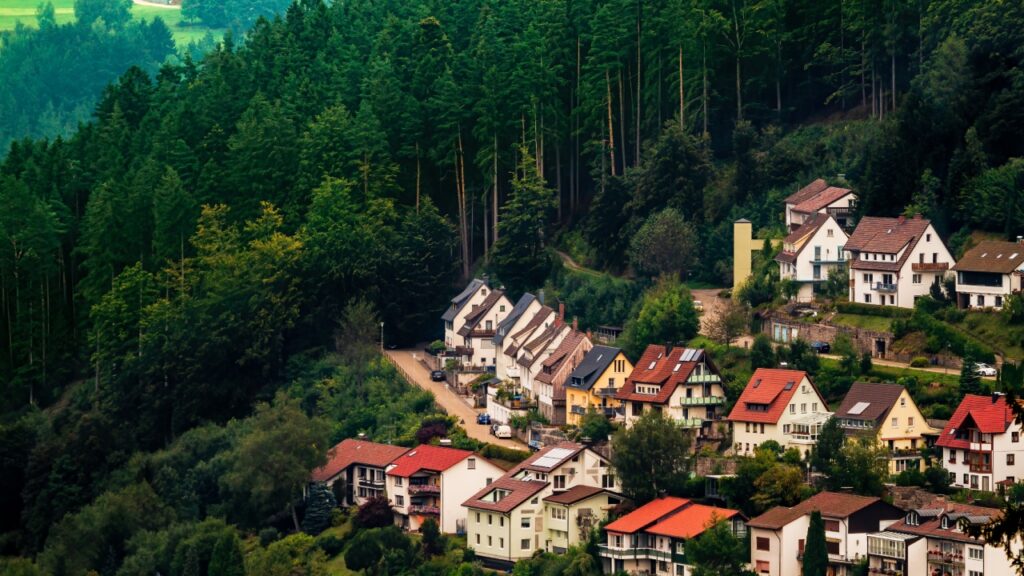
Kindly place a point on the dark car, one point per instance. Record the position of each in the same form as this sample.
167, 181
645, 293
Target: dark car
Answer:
437, 376
821, 347
483, 418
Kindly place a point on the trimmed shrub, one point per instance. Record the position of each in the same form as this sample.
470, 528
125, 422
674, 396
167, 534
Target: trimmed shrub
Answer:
919, 362
503, 453
870, 310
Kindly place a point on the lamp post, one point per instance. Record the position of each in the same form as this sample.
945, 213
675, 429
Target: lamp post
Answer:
381, 336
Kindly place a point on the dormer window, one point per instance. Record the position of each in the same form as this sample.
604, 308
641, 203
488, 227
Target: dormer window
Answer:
945, 522
913, 519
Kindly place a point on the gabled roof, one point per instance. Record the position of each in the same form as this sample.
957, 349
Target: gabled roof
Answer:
481, 311
647, 515
351, 451
513, 316
429, 458
806, 231
575, 494
692, 521
460, 300
548, 458
815, 187
772, 387
829, 504
990, 414
662, 367
822, 199
537, 346
991, 256
538, 319
867, 401
593, 365
930, 521
518, 492
886, 236
564, 353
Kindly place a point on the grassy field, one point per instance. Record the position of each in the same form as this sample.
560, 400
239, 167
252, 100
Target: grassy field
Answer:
876, 323
24, 11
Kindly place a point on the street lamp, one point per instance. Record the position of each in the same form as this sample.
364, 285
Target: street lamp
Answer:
381, 336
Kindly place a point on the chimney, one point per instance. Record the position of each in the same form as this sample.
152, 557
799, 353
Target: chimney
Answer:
486, 279
590, 335
668, 348
996, 396
575, 323
561, 311
540, 296
901, 219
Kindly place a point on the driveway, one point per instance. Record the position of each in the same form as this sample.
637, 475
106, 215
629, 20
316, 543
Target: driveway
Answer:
713, 304
452, 403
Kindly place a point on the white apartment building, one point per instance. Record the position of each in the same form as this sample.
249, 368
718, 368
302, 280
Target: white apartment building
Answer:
988, 273
811, 252
780, 405
894, 261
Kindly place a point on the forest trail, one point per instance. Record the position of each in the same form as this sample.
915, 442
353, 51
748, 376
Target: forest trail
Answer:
575, 266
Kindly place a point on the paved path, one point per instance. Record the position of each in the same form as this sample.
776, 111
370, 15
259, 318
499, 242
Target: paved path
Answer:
893, 364
452, 403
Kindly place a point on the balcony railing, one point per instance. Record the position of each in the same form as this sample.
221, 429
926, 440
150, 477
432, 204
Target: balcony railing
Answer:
884, 287
424, 489
981, 468
376, 482
580, 410
428, 510
981, 446
638, 553
607, 392
703, 401
929, 266
512, 372
704, 379
949, 558
691, 422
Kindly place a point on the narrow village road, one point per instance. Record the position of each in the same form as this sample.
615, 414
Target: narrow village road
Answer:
452, 403
892, 364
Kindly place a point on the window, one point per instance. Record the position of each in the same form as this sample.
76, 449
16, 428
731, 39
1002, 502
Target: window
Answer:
471, 463
763, 567
525, 544
478, 538
832, 546
560, 482
892, 299
999, 301
975, 573
477, 516
747, 426
981, 300
903, 401
803, 408
867, 298
400, 500
398, 481
868, 278
558, 513
831, 525
607, 481
928, 237
935, 257
762, 543
490, 519
976, 553
785, 428
501, 308
490, 541
501, 542
910, 421
814, 407
501, 520
792, 408
917, 278
488, 325
967, 479
762, 428
524, 522
1009, 459
1014, 436
895, 422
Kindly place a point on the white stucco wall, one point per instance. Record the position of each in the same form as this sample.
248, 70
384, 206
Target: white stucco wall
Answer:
458, 483
805, 402
930, 247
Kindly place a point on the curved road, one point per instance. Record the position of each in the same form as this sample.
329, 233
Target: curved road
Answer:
452, 403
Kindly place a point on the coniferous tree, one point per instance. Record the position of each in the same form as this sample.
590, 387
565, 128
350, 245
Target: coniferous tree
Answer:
227, 559
320, 503
970, 380
815, 561
520, 257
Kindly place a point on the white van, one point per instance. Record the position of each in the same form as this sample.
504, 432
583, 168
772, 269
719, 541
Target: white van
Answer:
503, 431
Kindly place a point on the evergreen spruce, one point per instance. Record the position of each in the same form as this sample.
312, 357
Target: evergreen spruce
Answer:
815, 561
319, 504
970, 380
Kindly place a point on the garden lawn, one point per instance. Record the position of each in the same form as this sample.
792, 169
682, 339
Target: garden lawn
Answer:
875, 323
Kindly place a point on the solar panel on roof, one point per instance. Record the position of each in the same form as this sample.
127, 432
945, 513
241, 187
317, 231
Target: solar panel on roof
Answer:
552, 458
859, 407
676, 369
688, 354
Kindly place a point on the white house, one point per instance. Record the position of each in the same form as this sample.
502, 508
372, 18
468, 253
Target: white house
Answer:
521, 314
533, 354
778, 537
934, 540
432, 481
780, 405
359, 467
981, 444
523, 330
479, 327
811, 252
547, 502
988, 273
455, 316
820, 198
894, 261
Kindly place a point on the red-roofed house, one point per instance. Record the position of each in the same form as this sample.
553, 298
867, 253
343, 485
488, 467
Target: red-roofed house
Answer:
811, 252
547, 502
820, 198
431, 481
777, 537
894, 261
359, 465
981, 445
652, 538
780, 405
682, 383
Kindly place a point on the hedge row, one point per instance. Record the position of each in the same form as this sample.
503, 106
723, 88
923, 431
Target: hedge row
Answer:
873, 310
502, 453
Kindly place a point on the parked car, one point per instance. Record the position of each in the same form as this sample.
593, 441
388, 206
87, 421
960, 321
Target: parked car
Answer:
821, 347
698, 305
494, 429
437, 375
483, 418
984, 369
503, 431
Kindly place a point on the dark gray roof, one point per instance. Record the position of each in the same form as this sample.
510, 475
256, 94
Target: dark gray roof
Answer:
866, 401
505, 325
459, 301
593, 365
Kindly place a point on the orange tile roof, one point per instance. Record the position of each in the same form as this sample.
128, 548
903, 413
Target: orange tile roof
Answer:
658, 366
429, 458
647, 514
351, 451
990, 414
692, 521
768, 387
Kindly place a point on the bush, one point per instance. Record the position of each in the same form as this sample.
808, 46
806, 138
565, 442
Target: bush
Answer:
503, 453
919, 362
870, 310
331, 545
436, 347
268, 536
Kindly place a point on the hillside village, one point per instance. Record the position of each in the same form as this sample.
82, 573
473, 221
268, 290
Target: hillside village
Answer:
536, 371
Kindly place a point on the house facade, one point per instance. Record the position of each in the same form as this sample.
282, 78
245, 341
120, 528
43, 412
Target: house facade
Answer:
533, 355
651, 540
811, 252
555, 370
988, 273
541, 504
523, 330
886, 413
455, 316
778, 537
431, 482
478, 329
934, 541
525, 309
981, 444
819, 197
894, 261
681, 383
780, 405
358, 465
595, 382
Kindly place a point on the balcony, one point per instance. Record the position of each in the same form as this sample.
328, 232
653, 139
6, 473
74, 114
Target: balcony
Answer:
884, 287
691, 422
704, 379
634, 553
425, 510
513, 372
981, 468
929, 266
374, 482
803, 438
946, 558
703, 401
981, 446
424, 489
904, 453
607, 392
579, 410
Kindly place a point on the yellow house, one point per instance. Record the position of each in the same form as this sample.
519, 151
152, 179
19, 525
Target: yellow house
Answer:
887, 412
593, 384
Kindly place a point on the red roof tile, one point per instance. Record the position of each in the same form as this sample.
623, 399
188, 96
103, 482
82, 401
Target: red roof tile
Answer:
660, 368
821, 200
692, 521
815, 187
990, 417
647, 514
427, 457
564, 353
768, 386
351, 451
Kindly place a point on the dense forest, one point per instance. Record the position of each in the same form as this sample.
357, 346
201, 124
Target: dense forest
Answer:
218, 224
